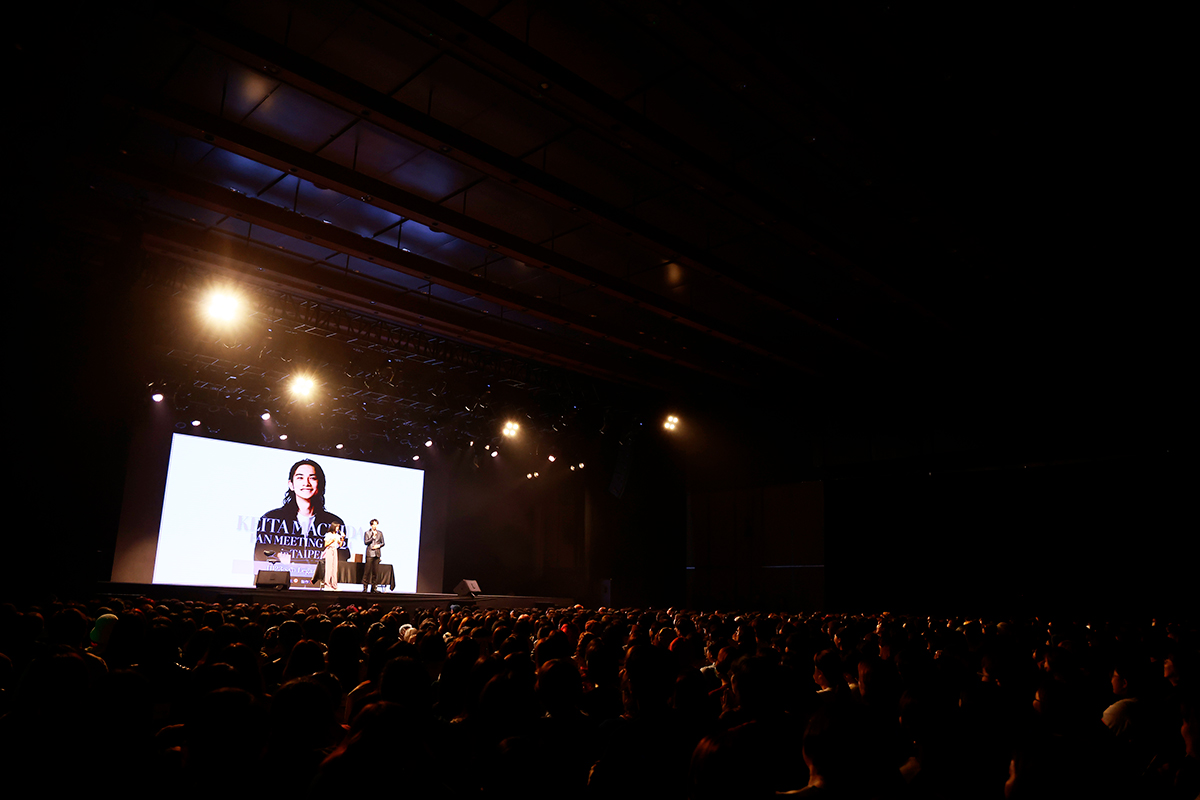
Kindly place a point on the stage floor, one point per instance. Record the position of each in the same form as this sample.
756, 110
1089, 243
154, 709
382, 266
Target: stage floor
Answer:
307, 597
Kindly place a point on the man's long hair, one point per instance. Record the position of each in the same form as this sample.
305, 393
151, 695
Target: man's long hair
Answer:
318, 500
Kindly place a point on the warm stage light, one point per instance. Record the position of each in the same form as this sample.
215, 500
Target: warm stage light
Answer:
495, 453
529, 475
340, 445
572, 468
535, 475
671, 423
156, 397
222, 306
416, 458
195, 423
429, 442
266, 415
283, 437
511, 428
302, 386
549, 458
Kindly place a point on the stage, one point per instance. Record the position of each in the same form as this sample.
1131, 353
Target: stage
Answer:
321, 599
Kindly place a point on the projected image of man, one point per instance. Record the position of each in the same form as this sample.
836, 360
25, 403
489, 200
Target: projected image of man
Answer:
298, 527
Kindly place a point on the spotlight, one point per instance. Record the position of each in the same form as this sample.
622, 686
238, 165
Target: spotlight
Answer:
572, 468
266, 415
495, 453
416, 458
549, 458
671, 423
156, 397
302, 385
511, 428
283, 437
429, 442
222, 306
340, 445
535, 475
195, 423
581, 465
529, 475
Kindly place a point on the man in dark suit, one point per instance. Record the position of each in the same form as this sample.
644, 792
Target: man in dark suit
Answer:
373, 539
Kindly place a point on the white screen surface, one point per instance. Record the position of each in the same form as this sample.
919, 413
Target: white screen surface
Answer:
217, 492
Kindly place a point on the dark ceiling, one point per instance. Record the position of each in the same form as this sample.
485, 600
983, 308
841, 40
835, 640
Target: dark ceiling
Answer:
451, 211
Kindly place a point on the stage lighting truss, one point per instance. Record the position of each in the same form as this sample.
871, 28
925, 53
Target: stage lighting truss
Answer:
276, 345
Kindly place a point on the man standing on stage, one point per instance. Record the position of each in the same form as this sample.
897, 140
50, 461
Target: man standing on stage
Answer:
373, 539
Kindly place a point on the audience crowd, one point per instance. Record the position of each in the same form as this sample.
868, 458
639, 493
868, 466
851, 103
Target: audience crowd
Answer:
192, 698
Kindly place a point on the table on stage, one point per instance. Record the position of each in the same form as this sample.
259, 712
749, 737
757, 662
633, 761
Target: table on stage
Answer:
352, 572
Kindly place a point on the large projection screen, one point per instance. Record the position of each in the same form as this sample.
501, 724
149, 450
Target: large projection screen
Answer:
222, 509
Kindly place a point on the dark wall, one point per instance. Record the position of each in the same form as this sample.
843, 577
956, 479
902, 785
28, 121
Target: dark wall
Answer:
620, 523
71, 399
940, 504
511, 534
757, 548
141, 504
1101, 536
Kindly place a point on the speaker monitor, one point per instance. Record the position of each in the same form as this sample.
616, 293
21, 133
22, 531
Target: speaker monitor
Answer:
467, 588
273, 579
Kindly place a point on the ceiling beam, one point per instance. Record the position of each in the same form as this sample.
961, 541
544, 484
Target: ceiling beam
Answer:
475, 40
258, 52
287, 158
267, 215
257, 266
